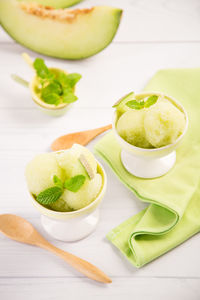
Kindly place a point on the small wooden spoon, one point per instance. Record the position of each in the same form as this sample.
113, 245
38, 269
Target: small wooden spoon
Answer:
21, 230
82, 138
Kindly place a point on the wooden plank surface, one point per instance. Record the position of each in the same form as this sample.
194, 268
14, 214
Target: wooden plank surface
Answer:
122, 288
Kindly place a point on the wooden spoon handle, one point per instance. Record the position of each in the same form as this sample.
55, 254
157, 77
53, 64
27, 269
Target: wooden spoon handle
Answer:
82, 138
79, 264
100, 130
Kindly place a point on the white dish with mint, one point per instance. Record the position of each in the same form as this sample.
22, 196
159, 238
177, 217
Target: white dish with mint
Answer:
52, 89
67, 188
149, 126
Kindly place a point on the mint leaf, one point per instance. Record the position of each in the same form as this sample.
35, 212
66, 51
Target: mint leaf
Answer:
52, 88
69, 98
139, 104
74, 183
134, 104
57, 181
51, 99
68, 80
151, 100
62, 78
72, 79
49, 195
55, 88
67, 90
126, 97
41, 68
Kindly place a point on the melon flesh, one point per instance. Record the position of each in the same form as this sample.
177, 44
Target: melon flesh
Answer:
163, 124
153, 127
55, 3
69, 161
65, 164
63, 33
87, 193
60, 205
130, 127
40, 171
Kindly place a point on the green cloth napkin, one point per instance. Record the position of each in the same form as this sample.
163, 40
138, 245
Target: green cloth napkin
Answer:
173, 214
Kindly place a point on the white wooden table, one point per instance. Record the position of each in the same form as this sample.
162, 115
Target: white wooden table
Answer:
153, 35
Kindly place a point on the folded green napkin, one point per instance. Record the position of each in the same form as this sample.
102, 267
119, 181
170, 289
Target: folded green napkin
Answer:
173, 214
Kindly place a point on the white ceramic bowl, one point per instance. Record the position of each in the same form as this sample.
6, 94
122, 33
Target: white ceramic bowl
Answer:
75, 225
149, 163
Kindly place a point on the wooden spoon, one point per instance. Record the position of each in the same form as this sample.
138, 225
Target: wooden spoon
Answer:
82, 138
21, 230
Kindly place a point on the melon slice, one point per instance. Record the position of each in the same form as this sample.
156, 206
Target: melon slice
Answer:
55, 3
69, 161
121, 106
63, 33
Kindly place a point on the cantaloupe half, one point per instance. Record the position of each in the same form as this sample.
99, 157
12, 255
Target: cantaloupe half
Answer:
63, 33
55, 3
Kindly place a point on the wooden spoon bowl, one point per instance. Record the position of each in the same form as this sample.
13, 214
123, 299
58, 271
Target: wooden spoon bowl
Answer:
22, 231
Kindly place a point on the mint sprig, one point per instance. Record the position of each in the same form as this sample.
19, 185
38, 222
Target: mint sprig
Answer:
57, 181
52, 194
134, 104
150, 101
56, 87
69, 98
121, 100
41, 69
49, 195
52, 99
74, 183
52, 87
72, 79
140, 104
